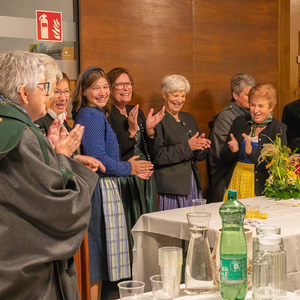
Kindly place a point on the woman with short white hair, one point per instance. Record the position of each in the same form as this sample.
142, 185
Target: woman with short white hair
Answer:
45, 194
178, 146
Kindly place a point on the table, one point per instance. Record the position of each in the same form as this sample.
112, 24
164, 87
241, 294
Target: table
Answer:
169, 228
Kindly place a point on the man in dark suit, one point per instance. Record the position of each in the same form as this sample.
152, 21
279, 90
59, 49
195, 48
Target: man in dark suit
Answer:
239, 106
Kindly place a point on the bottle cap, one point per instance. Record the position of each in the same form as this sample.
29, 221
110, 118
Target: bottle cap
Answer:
232, 193
269, 239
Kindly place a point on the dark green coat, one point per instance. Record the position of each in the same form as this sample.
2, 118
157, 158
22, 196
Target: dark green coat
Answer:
44, 212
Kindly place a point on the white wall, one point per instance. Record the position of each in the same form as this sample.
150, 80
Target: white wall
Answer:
18, 27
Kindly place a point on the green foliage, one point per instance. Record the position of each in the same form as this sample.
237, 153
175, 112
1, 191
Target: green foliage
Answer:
283, 182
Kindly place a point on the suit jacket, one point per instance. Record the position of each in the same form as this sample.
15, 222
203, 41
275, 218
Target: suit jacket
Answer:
291, 117
218, 135
241, 125
45, 122
119, 124
173, 157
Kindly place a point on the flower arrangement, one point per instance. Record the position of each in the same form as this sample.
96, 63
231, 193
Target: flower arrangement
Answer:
283, 167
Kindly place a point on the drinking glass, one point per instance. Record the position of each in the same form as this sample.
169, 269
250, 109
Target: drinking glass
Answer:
162, 287
131, 290
199, 205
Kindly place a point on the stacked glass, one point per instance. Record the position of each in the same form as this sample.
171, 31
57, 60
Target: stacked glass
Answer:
170, 262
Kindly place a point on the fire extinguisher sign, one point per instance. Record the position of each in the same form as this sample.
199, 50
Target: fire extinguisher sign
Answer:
49, 26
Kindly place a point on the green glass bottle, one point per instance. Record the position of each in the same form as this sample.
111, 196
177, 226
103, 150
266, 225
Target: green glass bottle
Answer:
233, 249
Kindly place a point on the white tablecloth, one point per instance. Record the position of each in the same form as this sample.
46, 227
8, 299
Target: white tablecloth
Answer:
213, 296
169, 228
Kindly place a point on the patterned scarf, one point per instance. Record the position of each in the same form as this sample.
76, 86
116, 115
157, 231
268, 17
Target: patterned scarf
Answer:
262, 124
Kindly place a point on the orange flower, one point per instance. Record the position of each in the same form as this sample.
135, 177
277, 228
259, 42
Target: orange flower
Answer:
287, 148
269, 165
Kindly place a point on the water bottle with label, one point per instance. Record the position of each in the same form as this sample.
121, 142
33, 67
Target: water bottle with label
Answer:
233, 249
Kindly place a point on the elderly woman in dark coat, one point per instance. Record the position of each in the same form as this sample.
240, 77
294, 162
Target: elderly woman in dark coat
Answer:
178, 146
245, 141
45, 194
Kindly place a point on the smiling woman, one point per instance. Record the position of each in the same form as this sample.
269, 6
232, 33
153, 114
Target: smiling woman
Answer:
178, 146
245, 140
108, 240
98, 93
57, 105
135, 135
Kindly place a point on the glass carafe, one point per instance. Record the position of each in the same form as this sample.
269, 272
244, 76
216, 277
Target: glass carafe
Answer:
269, 268
198, 271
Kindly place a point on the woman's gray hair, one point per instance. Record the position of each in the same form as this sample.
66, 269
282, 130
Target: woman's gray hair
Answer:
18, 68
239, 81
53, 73
174, 83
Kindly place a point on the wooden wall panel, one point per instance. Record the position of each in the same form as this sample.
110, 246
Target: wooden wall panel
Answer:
208, 41
284, 51
230, 37
150, 38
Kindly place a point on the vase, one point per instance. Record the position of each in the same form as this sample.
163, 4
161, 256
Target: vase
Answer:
216, 256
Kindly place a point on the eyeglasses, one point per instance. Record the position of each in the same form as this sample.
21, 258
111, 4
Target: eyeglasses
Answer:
121, 85
46, 86
58, 93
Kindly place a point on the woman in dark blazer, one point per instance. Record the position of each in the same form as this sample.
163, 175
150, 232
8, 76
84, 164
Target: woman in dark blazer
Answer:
134, 133
245, 141
178, 146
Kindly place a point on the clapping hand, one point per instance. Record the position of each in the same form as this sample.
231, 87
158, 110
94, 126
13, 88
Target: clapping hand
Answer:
233, 144
54, 132
132, 121
248, 146
90, 162
62, 142
141, 168
152, 121
197, 142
